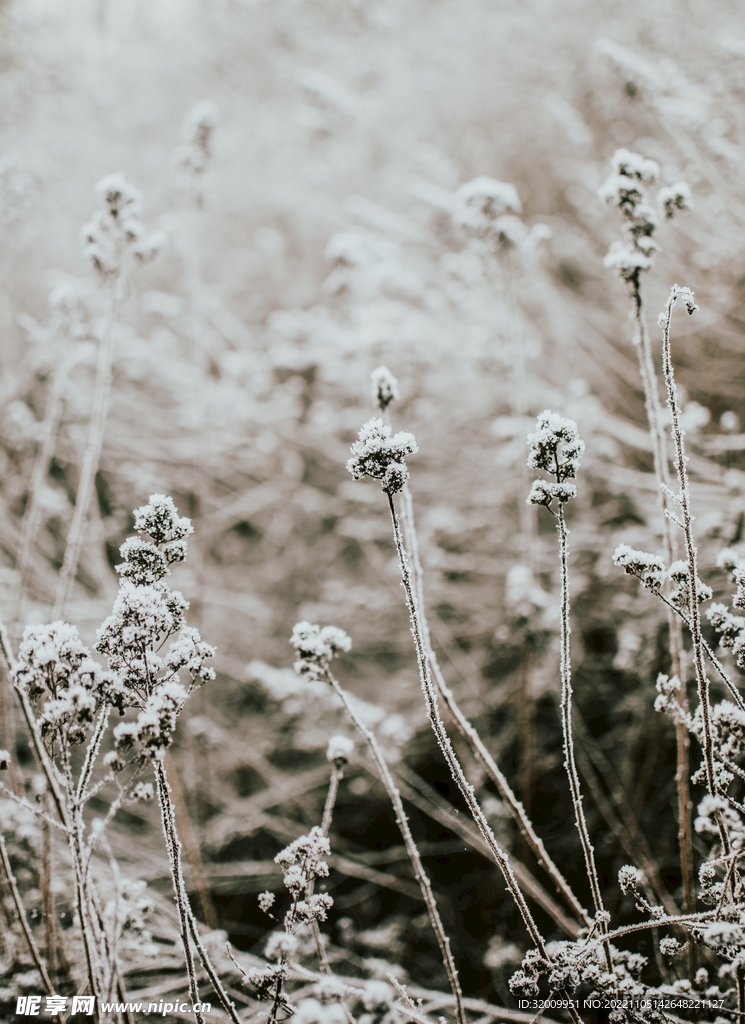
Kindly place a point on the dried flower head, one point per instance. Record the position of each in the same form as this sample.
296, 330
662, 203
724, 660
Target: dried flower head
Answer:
674, 199
377, 450
316, 647
4, 760
630, 879
115, 230
480, 203
266, 901
339, 750
384, 387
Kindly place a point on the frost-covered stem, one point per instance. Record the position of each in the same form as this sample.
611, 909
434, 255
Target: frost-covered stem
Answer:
443, 740
173, 848
90, 921
411, 848
94, 746
193, 854
682, 743
33, 511
21, 914
684, 497
211, 971
565, 669
92, 454
472, 737
337, 774
470, 734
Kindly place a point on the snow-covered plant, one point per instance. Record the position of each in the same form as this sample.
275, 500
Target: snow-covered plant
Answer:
154, 662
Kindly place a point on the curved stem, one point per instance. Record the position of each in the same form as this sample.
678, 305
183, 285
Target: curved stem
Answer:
411, 847
173, 848
443, 740
472, 737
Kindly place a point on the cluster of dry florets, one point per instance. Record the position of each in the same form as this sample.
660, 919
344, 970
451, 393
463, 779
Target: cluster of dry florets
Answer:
627, 190
115, 230
555, 447
381, 454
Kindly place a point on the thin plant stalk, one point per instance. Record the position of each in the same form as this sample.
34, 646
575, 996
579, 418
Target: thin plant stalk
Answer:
337, 774
471, 735
443, 740
683, 499
173, 848
682, 742
565, 670
21, 914
191, 847
411, 847
92, 453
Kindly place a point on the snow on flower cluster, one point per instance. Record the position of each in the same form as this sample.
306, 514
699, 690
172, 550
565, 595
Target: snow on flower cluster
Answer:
147, 613
380, 454
116, 230
316, 647
54, 663
626, 190
556, 447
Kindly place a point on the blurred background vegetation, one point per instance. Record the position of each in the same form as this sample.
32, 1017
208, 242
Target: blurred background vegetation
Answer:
323, 248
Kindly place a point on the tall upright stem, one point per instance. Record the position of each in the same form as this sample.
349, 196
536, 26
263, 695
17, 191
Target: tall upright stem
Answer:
443, 740
684, 500
173, 848
471, 735
92, 454
565, 669
657, 434
411, 848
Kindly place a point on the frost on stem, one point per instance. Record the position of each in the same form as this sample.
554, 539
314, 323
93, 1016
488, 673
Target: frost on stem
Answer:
115, 229
380, 454
384, 387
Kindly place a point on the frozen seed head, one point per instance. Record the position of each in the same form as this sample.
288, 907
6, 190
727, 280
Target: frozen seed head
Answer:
648, 568
482, 201
199, 125
316, 647
543, 492
384, 387
377, 450
339, 750
629, 879
674, 199
160, 519
281, 946
627, 261
555, 446
266, 901
669, 946
4, 760
115, 229
143, 792
635, 166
